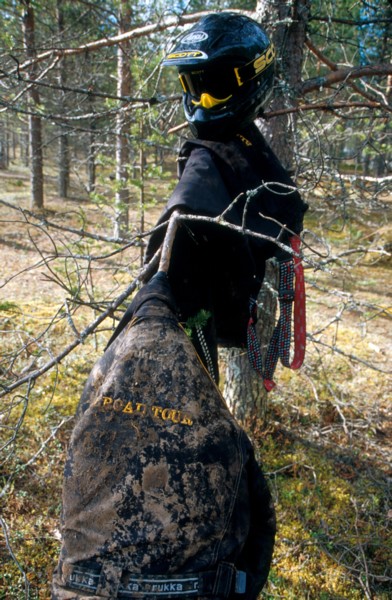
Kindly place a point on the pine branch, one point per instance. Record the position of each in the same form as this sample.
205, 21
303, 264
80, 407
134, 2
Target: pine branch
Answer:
345, 74
166, 23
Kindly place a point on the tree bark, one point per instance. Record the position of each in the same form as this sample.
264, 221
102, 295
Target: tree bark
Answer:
35, 124
64, 166
142, 197
244, 390
286, 23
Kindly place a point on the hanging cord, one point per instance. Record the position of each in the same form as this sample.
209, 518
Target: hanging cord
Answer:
279, 346
206, 352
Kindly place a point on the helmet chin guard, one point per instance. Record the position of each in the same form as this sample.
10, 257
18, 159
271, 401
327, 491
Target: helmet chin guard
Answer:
226, 69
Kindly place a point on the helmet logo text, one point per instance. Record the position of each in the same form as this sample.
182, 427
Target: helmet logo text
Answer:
195, 37
264, 60
255, 67
186, 55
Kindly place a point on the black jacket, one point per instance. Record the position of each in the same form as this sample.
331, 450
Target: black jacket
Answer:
212, 267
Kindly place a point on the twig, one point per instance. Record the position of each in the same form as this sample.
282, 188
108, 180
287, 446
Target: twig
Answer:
324, 106
364, 583
349, 356
70, 320
11, 552
82, 232
148, 270
143, 276
46, 442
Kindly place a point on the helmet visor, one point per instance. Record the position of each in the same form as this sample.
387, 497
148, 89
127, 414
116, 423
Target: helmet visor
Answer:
219, 83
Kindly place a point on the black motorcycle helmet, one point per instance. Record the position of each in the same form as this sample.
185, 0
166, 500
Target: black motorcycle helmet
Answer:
226, 68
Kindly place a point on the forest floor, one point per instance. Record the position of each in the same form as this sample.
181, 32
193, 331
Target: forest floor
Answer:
325, 441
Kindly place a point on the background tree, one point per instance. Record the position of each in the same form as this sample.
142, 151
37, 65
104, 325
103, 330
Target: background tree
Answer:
124, 84
63, 154
35, 127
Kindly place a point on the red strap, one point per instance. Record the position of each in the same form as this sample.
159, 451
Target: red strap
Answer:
269, 384
299, 307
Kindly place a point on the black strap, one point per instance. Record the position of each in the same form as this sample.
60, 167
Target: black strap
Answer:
220, 583
279, 346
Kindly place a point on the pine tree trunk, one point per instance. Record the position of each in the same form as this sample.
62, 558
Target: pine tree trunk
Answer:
91, 166
35, 125
286, 23
64, 172
91, 163
3, 148
15, 140
142, 159
36, 162
25, 149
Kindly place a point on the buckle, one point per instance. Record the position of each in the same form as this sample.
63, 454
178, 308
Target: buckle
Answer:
286, 294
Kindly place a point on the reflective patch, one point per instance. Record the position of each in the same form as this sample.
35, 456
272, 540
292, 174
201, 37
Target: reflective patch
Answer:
240, 582
83, 580
167, 587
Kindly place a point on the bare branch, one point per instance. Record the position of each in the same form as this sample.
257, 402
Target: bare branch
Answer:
352, 357
11, 552
334, 67
168, 242
345, 74
81, 232
138, 32
85, 333
47, 441
323, 106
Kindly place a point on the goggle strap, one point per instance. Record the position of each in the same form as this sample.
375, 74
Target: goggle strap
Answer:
182, 81
253, 68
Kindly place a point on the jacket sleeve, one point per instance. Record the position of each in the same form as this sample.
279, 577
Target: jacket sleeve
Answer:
200, 190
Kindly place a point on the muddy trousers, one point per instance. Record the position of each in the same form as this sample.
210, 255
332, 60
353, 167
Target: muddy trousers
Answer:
84, 581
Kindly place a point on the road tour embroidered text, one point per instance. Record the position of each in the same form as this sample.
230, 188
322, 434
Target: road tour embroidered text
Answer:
161, 413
